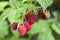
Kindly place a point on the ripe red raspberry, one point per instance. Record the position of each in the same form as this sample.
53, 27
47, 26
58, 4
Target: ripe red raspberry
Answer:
22, 30
31, 18
14, 25
27, 25
42, 15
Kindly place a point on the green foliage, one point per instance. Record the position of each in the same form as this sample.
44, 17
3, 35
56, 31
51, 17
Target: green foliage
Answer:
15, 33
3, 4
15, 3
3, 28
45, 3
56, 28
5, 14
46, 36
40, 27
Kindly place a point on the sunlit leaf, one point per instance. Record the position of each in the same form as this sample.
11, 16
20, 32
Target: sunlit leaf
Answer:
45, 3
3, 4
15, 3
55, 28
5, 14
12, 15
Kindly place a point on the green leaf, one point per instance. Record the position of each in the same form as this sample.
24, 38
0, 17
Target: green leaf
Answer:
12, 15
15, 33
3, 28
40, 27
3, 4
45, 3
24, 1
15, 15
5, 14
23, 39
15, 3
46, 36
55, 28
15, 38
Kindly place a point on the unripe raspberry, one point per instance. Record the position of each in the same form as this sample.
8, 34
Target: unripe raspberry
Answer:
47, 14
31, 18
22, 30
27, 25
14, 25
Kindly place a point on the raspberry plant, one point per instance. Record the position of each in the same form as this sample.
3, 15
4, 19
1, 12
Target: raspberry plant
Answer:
29, 18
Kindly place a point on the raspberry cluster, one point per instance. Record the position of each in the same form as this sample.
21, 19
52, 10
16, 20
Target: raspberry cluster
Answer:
22, 29
28, 20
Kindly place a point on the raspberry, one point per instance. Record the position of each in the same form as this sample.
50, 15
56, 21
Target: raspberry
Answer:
31, 18
47, 14
22, 30
14, 25
42, 15
27, 25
